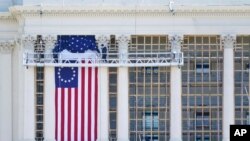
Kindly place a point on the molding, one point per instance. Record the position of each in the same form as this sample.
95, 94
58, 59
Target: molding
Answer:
7, 16
7, 46
101, 10
228, 41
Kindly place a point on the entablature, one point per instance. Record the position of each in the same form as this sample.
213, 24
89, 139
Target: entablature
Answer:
6, 16
145, 10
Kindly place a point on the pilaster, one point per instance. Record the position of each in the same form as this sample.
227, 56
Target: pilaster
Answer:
18, 90
122, 96
103, 95
28, 84
123, 43
6, 48
175, 93
228, 42
49, 90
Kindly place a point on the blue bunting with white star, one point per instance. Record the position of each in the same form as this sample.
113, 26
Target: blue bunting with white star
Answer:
75, 43
67, 77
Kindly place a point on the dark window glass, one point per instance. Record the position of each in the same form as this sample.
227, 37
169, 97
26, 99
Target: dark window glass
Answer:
39, 109
39, 126
112, 102
39, 134
39, 99
39, 118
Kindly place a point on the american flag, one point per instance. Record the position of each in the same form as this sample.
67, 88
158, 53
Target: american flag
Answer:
76, 93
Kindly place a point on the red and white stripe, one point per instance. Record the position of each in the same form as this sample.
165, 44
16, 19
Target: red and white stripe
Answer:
76, 108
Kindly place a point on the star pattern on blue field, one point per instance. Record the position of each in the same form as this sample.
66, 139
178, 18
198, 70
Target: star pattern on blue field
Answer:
75, 43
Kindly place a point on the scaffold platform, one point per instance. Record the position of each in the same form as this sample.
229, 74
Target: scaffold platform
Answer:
112, 59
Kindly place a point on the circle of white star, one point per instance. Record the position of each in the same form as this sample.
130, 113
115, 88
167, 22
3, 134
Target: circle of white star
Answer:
66, 80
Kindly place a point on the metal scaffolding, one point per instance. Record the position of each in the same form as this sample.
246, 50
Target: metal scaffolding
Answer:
97, 60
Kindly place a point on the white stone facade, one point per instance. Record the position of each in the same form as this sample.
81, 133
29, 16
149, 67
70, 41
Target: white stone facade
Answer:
20, 24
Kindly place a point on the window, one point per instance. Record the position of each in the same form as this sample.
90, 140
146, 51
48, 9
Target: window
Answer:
112, 102
248, 118
241, 83
151, 120
202, 120
149, 91
202, 88
149, 70
151, 138
247, 66
202, 68
39, 103
199, 138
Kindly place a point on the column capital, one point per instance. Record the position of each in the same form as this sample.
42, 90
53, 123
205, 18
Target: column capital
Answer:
28, 42
123, 39
50, 41
175, 42
123, 42
228, 40
102, 40
7, 46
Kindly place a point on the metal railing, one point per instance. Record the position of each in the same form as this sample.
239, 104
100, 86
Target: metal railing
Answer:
110, 60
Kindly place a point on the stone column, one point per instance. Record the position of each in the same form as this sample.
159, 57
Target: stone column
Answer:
28, 84
103, 95
122, 95
6, 90
49, 91
228, 85
175, 93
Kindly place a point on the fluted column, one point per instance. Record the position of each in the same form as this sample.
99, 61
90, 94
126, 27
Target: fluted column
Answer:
228, 85
28, 84
103, 96
49, 90
6, 48
175, 93
122, 96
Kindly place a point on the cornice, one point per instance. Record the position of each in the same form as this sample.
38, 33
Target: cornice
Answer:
6, 16
130, 10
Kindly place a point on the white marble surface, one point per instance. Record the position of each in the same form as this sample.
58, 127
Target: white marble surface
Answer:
7, 3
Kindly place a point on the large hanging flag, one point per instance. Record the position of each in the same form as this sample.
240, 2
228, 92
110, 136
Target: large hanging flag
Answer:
76, 93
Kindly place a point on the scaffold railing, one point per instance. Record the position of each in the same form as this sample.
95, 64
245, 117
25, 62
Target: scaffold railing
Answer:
104, 60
